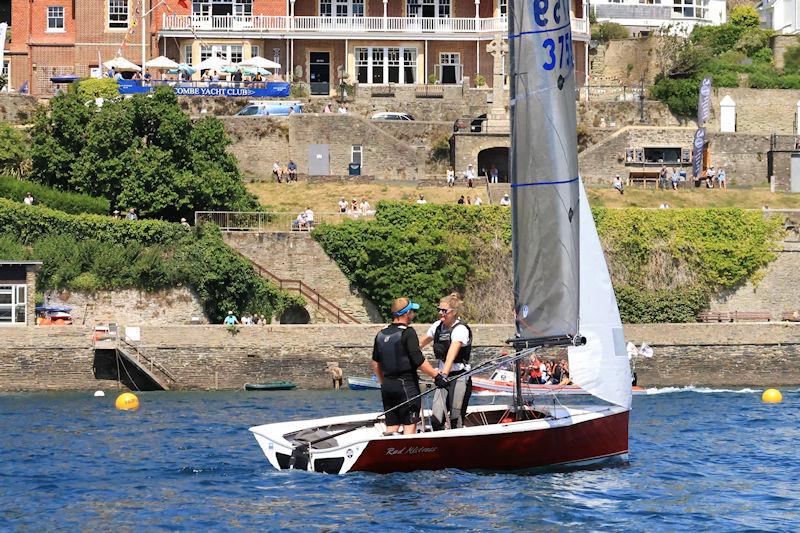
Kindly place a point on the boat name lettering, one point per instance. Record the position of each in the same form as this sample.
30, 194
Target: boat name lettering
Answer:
411, 450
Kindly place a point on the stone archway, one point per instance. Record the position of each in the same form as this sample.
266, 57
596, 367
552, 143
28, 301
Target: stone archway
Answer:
497, 156
296, 314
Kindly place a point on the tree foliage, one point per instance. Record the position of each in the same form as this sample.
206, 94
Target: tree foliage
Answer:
14, 152
91, 252
141, 152
609, 31
15, 189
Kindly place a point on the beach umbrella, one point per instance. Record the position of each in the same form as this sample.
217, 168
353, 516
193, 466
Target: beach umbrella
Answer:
260, 62
120, 64
229, 69
162, 62
213, 63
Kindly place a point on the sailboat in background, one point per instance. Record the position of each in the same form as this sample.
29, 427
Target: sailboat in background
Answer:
557, 303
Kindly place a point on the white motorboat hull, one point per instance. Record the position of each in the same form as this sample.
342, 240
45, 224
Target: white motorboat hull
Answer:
492, 441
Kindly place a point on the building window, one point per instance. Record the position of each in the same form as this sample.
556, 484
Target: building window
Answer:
6, 71
13, 299
689, 8
428, 8
379, 65
187, 54
254, 50
205, 52
55, 18
235, 53
117, 13
502, 6
450, 68
356, 153
230, 52
325, 8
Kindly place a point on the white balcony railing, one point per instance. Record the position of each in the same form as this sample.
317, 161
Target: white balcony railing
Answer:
264, 23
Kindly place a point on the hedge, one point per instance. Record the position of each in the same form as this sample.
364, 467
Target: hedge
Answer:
69, 202
665, 264
92, 252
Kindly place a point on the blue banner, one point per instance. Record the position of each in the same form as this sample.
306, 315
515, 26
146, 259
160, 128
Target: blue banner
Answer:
268, 90
697, 151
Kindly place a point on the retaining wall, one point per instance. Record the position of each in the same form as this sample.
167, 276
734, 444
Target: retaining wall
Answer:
209, 357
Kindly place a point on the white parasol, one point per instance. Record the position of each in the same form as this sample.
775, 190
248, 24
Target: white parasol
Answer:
120, 64
260, 62
161, 62
213, 63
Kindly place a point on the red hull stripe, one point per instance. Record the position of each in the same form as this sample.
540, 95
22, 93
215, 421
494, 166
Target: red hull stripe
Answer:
598, 438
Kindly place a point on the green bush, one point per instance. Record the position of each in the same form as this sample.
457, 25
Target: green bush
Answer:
69, 202
86, 283
145, 254
440, 150
791, 59
91, 88
680, 95
141, 152
745, 16
751, 41
665, 263
15, 157
609, 31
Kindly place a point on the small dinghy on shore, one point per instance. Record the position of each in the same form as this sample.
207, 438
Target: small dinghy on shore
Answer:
363, 383
273, 385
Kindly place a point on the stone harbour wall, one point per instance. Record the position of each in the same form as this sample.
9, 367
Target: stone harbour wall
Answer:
210, 357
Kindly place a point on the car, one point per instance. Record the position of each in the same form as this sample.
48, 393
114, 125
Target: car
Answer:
270, 108
391, 115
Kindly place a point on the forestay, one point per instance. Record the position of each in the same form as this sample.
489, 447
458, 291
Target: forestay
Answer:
544, 169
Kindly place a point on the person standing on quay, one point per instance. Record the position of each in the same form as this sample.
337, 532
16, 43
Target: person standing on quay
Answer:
396, 358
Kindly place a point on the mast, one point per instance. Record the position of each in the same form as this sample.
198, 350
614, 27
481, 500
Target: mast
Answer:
544, 173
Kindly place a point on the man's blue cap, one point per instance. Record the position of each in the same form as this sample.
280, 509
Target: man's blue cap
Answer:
411, 305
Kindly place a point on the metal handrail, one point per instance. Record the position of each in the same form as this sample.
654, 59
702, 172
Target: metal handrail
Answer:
151, 360
305, 290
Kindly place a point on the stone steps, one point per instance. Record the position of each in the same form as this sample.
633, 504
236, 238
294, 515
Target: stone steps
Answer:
296, 255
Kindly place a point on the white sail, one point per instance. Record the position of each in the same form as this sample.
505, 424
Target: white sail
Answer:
600, 367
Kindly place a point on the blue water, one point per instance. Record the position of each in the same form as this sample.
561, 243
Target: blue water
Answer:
718, 461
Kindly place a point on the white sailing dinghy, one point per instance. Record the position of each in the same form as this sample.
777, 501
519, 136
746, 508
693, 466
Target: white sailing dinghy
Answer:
557, 304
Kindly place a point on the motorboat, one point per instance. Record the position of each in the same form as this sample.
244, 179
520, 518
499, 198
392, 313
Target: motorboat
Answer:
563, 298
270, 386
502, 382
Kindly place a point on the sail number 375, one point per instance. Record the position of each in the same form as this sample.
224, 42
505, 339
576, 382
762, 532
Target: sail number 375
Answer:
558, 47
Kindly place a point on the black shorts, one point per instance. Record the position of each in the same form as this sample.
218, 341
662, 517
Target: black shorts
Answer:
396, 391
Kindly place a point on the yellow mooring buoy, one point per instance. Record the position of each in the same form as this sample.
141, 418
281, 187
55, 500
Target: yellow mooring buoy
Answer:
772, 396
127, 401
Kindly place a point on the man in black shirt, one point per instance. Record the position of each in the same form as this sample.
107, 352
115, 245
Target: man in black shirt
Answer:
396, 357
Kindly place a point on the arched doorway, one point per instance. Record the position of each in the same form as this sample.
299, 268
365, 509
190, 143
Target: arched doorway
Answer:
494, 156
296, 314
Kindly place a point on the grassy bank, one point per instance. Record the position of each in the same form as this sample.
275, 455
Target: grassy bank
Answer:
323, 197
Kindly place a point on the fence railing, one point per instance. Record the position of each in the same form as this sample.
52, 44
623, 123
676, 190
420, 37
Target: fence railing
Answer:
784, 143
264, 221
613, 93
314, 24
143, 359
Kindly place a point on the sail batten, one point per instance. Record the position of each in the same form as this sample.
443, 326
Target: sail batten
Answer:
544, 170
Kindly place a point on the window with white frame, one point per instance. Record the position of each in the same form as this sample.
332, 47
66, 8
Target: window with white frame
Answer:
428, 8
689, 8
356, 154
502, 7
118, 14
13, 300
6, 70
187, 54
235, 53
380, 65
254, 50
450, 68
230, 52
325, 8
55, 18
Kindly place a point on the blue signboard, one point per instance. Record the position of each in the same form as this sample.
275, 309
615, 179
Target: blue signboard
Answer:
268, 90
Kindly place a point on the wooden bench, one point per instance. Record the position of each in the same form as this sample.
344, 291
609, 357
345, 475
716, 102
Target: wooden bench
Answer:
713, 316
753, 316
644, 177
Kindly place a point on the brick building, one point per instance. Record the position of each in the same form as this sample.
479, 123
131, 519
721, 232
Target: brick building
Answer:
376, 42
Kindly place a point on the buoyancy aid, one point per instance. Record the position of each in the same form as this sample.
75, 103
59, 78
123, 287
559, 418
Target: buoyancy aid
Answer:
394, 358
442, 341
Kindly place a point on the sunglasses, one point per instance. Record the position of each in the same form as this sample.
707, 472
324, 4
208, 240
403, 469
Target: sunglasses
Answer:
443, 310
